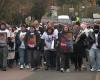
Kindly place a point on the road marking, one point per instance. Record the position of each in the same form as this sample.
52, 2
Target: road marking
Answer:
98, 76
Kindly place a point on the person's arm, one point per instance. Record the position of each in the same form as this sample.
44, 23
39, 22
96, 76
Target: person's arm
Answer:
56, 34
98, 40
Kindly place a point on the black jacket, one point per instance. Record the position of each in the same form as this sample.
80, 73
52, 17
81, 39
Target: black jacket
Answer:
38, 39
92, 40
17, 39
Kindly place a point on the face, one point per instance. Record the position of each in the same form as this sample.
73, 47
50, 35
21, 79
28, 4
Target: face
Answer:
23, 29
96, 31
50, 25
65, 28
36, 25
32, 29
76, 26
3, 26
49, 30
10, 29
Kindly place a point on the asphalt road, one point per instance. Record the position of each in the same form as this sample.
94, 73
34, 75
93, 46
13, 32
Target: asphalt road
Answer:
16, 74
53, 75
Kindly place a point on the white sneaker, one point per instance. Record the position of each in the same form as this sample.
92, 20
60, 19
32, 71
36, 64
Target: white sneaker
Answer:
44, 63
21, 67
33, 69
62, 69
92, 69
68, 70
98, 70
27, 66
83, 66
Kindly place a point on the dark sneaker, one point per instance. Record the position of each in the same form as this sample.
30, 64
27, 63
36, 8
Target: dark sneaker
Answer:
4, 69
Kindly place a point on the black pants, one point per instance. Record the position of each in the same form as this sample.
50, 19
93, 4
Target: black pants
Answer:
34, 57
78, 60
50, 58
16, 56
65, 58
58, 61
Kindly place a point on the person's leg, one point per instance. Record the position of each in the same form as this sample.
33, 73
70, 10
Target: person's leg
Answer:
26, 59
37, 59
21, 56
5, 55
10, 63
67, 59
1, 54
75, 57
32, 60
41, 58
75, 60
62, 63
29, 56
53, 58
17, 57
92, 58
58, 62
98, 59
80, 61
47, 58
72, 57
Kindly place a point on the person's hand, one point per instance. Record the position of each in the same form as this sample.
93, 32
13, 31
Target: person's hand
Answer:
22, 37
62, 44
46, 46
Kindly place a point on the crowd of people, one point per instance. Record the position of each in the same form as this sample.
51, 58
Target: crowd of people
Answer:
50, 46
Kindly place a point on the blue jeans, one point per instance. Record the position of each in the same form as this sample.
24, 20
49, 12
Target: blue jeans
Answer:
94, 56
21, 56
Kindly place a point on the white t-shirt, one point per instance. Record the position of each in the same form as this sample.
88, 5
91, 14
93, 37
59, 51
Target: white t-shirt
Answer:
96, 43
49, 39
86, 31
6, 31
55, 33
22, 35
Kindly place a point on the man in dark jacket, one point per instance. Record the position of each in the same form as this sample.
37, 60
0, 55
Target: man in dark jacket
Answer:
94, 53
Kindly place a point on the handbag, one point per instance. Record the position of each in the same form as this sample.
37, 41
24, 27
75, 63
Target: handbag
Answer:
11, 55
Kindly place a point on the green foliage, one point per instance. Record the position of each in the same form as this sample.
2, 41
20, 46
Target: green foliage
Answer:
49, 14
39, 9
15, 11
62, 2
8, 10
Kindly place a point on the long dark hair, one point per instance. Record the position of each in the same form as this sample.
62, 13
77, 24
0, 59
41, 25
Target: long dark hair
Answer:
49, 33
63, 30
3, 24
